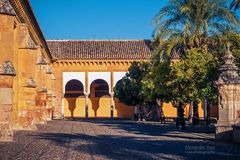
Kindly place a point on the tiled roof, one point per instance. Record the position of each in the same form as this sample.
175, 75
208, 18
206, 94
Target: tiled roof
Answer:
100, 49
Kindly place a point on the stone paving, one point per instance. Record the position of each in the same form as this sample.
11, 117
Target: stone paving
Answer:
115, 139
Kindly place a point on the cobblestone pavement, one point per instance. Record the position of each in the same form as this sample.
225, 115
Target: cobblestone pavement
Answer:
115, 139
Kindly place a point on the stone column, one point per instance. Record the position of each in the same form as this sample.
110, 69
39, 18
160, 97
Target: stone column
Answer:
62, 104
229, 95
112, 105
86, 104
6, 101
87, 92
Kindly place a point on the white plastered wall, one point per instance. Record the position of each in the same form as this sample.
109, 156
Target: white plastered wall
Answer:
68, 76
117, 77
92, 76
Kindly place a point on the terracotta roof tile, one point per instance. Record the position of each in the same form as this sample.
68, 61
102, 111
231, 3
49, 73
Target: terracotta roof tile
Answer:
100, 49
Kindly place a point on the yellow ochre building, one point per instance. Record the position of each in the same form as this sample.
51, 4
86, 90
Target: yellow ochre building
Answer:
86, 72
41, 80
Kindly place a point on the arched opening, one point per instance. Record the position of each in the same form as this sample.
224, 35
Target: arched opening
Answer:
74, 99
122, 110
100, 99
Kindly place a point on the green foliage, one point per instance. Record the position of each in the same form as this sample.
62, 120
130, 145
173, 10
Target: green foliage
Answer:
189, 79
188, 18
189, 24
235, 4
198, 31
201, 29
123, 91
129, 89
154, 84
195, 74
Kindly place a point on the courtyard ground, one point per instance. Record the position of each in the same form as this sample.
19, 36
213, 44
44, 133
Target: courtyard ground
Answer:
115, 139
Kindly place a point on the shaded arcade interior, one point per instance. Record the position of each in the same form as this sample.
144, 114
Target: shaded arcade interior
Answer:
99, 101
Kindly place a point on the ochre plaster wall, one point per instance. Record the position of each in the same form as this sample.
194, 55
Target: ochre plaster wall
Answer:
171, 112
98, 108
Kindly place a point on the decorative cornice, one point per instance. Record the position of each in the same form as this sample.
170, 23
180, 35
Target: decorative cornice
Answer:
31, 83
229, 71
6, 7
31, 43
53, 77
7, 68
43, 89
26, 40
49, 70
41, 61
74, 63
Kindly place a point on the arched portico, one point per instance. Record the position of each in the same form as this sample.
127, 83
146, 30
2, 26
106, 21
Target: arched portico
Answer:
94, 98
120, 109
80, 76
74, 99
99, 105
106, 76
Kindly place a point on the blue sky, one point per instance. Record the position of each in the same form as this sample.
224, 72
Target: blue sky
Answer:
96, 19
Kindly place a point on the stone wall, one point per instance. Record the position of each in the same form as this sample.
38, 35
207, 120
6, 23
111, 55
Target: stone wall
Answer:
27, 94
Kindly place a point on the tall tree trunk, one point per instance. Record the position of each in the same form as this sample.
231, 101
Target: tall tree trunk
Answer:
208, 113
161, 115
190, 113
195, 113
207, 104
205, 108
180, 123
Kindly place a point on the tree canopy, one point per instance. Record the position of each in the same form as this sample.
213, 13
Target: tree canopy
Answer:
129, 89
196, 33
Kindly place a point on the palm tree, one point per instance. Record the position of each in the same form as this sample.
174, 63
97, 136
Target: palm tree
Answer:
190, 23
194, 19
235, 4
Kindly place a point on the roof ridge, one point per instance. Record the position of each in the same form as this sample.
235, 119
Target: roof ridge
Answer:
79, 40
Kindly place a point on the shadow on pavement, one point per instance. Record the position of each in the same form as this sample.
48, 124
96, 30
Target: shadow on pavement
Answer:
148, 128
120, 147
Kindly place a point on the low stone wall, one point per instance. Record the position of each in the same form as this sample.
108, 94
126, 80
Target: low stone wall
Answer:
236, 133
